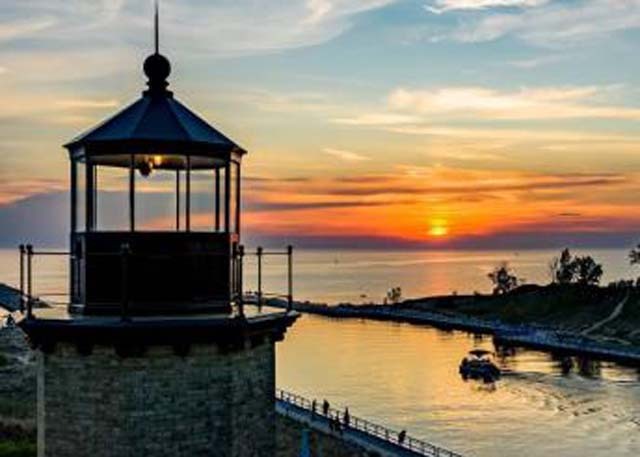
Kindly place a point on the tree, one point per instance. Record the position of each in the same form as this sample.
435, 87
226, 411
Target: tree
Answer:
634, 255
587, 271
503, 279
563, 268
394, 295
634, 259
553, 270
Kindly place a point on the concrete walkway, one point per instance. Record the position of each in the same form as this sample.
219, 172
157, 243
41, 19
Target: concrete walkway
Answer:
614, 315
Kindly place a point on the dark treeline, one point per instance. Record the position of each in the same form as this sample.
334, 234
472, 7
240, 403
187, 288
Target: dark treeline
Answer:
564, 269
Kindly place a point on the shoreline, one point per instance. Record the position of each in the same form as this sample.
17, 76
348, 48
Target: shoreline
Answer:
528, 335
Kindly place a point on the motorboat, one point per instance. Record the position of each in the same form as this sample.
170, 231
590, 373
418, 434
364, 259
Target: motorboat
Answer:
478, 364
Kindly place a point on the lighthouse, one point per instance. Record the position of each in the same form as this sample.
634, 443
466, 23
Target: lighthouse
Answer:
156, 354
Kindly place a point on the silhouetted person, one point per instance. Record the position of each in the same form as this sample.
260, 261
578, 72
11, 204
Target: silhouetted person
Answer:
333, 425
566, 365
325, 408
337, 422
314, 405
346, 418
401, 436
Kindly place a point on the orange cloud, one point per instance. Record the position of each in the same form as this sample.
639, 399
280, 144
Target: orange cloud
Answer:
465, 202
435, 204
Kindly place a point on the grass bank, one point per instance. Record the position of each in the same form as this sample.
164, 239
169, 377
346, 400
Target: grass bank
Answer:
16, 440
568, 307
19, 448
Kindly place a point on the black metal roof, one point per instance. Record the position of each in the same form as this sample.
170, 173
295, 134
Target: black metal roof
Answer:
156, 121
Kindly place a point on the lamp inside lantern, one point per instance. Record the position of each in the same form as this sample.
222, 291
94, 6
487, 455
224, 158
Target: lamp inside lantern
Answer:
146, 167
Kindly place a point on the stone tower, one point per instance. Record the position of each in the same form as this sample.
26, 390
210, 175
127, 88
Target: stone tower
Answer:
156, 354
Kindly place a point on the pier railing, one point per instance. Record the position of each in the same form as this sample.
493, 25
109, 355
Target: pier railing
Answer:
380, 432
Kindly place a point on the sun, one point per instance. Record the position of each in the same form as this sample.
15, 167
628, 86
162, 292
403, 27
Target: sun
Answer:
438, 229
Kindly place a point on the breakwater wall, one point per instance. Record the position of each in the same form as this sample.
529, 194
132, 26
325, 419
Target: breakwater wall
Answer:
523, 335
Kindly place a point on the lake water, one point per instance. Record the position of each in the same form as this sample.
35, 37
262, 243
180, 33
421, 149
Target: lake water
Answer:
405, 376
364, 276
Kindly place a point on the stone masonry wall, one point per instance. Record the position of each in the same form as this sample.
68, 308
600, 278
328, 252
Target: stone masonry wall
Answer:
17, 382
158, 404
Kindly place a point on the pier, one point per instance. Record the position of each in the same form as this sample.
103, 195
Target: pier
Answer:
570, 344
10, 298
529, 336
372, 437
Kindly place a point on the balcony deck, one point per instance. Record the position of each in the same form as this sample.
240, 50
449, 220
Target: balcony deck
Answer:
53, 325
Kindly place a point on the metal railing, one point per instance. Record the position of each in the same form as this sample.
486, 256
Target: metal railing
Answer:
27, 253
380, 432
260, 253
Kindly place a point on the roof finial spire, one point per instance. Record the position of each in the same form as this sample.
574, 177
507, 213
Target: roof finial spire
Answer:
157, 30
156, 66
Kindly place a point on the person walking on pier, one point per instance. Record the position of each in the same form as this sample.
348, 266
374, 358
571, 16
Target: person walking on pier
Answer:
332, 424
325, 408
338, 426
401, 436
314, 406
346, 418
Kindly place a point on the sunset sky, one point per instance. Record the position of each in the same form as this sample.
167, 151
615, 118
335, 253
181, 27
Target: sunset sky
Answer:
375, 123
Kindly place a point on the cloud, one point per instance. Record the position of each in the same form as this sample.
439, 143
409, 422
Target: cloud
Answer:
446, 181
57, 20
41, 219
476, 204
376, 119
319, 9
87, 104
259, 205
441, 6
248, 27
526, 103
226, 28
347, 156
22, 28
472, 155
369, 206
439, 112
516, 135
271, 179
557, 24
527, 64
62, 107
410, 181
12, 190
45, 67
289, 102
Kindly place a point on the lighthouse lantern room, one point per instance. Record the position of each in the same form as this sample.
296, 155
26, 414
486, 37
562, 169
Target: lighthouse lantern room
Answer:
170, 270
